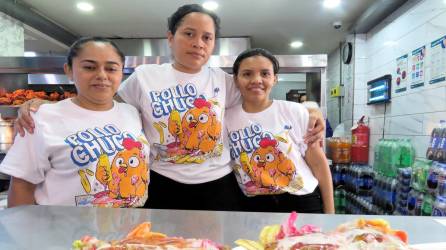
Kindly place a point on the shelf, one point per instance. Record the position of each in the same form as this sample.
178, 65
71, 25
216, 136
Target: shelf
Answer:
48, 79
54, 64
21, 65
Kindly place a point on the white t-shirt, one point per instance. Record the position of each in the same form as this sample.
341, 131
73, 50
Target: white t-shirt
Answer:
267, 149
82, 157
183, 119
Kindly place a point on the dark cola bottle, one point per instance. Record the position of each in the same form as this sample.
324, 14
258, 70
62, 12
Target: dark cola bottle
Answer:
435, 140
440, 151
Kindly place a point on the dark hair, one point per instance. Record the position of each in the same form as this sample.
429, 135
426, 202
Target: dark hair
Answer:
255, 52
174, 21
77, 46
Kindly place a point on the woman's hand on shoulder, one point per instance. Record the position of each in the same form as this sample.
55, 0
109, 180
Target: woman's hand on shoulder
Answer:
316, 127
24, 120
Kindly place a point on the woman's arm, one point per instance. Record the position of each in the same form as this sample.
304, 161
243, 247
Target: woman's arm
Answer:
316, 127
25, 122
20, 192
316, 160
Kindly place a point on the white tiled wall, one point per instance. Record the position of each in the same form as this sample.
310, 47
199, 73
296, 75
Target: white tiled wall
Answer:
340, 109
348, 81
333, 78
411, 114
12, 40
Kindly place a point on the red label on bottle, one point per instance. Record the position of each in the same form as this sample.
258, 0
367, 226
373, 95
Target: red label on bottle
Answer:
360, 139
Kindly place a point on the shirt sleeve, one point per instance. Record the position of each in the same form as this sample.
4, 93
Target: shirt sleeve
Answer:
233, 96
25, 159
301, 119
229, 112
130, 90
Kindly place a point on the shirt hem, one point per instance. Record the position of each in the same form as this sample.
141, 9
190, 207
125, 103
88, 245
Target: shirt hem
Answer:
185, 180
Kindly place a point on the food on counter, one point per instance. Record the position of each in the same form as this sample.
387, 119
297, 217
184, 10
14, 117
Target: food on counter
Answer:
360, 234
20, 96
141, 237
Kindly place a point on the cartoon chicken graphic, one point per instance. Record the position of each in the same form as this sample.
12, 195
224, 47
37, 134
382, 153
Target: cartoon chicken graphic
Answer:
268, 166
127, 176
199, 128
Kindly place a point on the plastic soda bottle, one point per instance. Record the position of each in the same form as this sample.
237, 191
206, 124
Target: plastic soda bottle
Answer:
392, 193
358, 179
380, 156
418, 204
337, 201
389, 159
432, 177
336, 174
376, 160
441, 179
412, 201
426, 206
340, 201
385, 155
394, 157
439, 208
407, 153
435, 140
419, 174
367, 177
344, 169
440, 151
442, 187
347, 177
375, 190
383, 191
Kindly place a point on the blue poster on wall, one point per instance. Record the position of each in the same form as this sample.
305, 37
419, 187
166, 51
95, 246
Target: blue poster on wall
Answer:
417, 69
438, 60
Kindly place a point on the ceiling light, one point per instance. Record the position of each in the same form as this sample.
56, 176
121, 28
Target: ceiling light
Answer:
84, 6
331, 3
296, 44
210, 5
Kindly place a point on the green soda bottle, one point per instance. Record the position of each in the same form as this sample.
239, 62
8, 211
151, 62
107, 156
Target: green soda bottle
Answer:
377, 159
426, 206
407, 153
394, 157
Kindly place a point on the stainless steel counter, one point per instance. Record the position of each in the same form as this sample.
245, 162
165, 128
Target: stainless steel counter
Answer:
54, 227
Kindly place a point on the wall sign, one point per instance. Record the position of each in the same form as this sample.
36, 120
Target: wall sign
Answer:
417, 69
400, 83
438, 60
